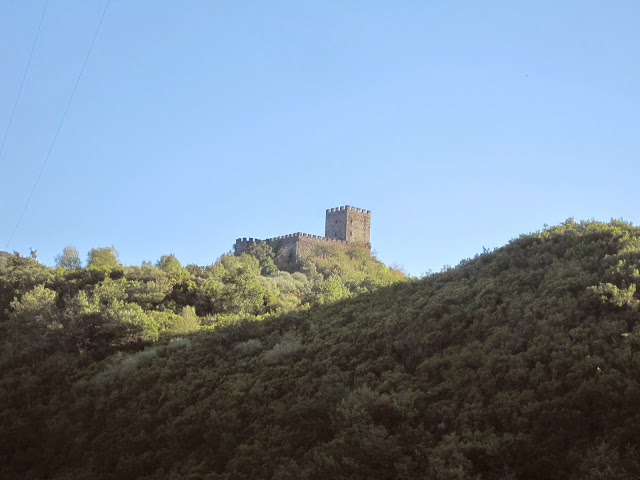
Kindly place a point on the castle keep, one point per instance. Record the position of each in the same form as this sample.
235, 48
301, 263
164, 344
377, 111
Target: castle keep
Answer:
344, 226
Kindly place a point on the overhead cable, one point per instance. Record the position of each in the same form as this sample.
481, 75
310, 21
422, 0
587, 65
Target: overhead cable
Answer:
59, 127
33, 47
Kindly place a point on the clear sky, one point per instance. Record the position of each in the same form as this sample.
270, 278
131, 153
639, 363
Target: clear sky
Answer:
460, 125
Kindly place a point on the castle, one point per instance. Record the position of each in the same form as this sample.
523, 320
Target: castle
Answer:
344, 226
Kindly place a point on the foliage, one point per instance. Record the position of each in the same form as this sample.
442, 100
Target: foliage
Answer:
170, 265
107, 306
69, 258
17, 276
264, 254
38, 305
519, 363
105, 258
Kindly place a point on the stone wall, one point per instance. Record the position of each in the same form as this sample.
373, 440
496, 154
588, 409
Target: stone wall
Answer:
343, 226
306, 244
242, 244
335, 225
289, 248
285, 248
350, 224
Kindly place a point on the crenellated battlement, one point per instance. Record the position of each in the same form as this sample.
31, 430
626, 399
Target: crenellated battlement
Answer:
291, 236
345, 225
349, 207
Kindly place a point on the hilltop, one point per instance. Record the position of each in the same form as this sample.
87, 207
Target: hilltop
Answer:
519, 363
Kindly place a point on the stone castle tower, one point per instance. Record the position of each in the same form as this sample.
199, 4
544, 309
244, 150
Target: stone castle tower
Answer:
344, 226
353, 225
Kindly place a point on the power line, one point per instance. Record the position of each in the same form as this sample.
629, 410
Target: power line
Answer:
33, 47
46, 159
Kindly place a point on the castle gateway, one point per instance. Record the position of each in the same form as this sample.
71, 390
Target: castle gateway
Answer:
343, 226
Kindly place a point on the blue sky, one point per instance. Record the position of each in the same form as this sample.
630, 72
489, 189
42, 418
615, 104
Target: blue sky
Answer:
460, 125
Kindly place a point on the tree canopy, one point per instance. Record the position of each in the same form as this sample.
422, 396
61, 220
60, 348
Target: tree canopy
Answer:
103, 258
518, 363
69, 258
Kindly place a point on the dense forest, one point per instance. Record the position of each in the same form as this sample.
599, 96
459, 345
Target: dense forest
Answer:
521, 363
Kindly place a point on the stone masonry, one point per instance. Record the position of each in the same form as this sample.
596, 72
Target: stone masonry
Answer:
350, 224
344, 226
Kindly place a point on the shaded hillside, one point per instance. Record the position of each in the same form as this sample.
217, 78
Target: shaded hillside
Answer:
520, 363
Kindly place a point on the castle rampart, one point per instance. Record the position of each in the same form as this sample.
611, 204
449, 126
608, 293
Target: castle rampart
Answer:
344, 226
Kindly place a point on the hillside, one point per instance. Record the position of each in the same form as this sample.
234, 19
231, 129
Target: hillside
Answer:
521, 363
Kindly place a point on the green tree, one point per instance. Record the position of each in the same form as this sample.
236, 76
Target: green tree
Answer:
242, 292
19, 275
37, 306
170, 265
105, 258
69, 258
331, 289
149, 294
264, 253
34, 317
